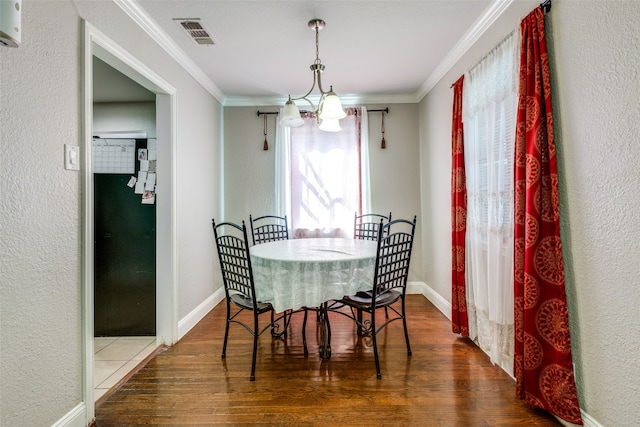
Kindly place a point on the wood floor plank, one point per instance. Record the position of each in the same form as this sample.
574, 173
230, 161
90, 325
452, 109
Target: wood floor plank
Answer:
447, 381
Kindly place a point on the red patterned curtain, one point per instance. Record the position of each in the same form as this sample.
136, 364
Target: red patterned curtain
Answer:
460, 322
543, 361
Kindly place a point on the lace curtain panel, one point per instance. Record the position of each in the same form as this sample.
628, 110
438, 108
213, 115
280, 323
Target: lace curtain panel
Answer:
489, 117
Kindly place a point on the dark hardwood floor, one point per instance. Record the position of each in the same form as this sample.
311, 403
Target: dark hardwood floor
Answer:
447, 381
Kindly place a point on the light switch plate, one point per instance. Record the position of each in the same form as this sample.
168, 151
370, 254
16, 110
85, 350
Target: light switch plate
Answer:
71, 157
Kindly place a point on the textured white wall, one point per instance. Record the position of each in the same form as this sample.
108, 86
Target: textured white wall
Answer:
41, 329
595, 62
395, 171
595, 57
41, 98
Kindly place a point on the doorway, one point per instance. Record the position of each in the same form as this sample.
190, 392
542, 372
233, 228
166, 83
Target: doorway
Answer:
99, 46
125, 241
124, 220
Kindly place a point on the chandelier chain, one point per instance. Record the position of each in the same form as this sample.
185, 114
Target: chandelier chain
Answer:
317, 61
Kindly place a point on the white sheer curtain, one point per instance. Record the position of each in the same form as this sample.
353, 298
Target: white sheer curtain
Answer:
364, 161
489, 117
283, 170
322, 178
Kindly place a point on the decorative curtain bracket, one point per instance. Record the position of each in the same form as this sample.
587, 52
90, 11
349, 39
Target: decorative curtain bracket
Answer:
546, 6
383, 143
265, 145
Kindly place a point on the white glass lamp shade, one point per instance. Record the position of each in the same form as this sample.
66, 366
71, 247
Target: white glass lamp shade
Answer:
291, 115
330, 125
332, 107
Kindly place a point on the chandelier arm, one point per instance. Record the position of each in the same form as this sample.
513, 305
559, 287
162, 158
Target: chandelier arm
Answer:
316, 79
308, 93
320, 105
322, 91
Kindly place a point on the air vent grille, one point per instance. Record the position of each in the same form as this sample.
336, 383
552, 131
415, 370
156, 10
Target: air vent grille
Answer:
196, 31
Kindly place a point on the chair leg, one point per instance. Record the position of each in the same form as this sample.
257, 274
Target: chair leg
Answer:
375, 343
273, 325
304, 332
286, 322
359, 323
406, 333
226, 332
255, 347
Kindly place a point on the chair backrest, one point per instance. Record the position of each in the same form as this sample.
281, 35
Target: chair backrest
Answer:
366, 226
394, 254
269, 228
235, 262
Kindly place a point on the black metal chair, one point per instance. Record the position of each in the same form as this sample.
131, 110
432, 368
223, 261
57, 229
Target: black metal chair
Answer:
389, 284
366, 226
237, 275
269, 228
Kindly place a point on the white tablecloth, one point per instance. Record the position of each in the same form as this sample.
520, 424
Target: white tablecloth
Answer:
295, 273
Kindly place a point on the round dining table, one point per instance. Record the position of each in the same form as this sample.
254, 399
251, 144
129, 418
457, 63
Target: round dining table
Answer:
297, 273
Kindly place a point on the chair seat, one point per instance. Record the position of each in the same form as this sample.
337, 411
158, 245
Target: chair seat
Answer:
363, 298
245, 302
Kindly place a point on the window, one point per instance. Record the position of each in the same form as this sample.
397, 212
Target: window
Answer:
323, 177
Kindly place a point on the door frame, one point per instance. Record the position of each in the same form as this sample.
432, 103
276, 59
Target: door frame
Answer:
99, 45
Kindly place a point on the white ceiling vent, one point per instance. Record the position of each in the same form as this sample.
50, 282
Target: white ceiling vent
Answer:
195, 30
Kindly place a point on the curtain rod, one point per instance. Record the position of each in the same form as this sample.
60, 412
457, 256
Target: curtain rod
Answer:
386, 110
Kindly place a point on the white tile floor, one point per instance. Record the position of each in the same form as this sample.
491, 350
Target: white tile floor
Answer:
115, 357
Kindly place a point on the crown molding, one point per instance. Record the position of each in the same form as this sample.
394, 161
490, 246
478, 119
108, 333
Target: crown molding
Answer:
144, 21
488, 17
347, 100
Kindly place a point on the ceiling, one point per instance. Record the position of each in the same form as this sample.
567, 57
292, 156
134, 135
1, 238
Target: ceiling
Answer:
373, 50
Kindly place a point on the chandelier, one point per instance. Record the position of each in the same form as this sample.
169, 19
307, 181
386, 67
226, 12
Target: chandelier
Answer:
329, 110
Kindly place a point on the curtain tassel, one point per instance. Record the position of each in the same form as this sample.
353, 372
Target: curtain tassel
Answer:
383, 143
265, 146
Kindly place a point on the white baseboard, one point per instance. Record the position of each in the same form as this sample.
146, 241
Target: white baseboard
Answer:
190, 320
587, 421
77, 417
435, 298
